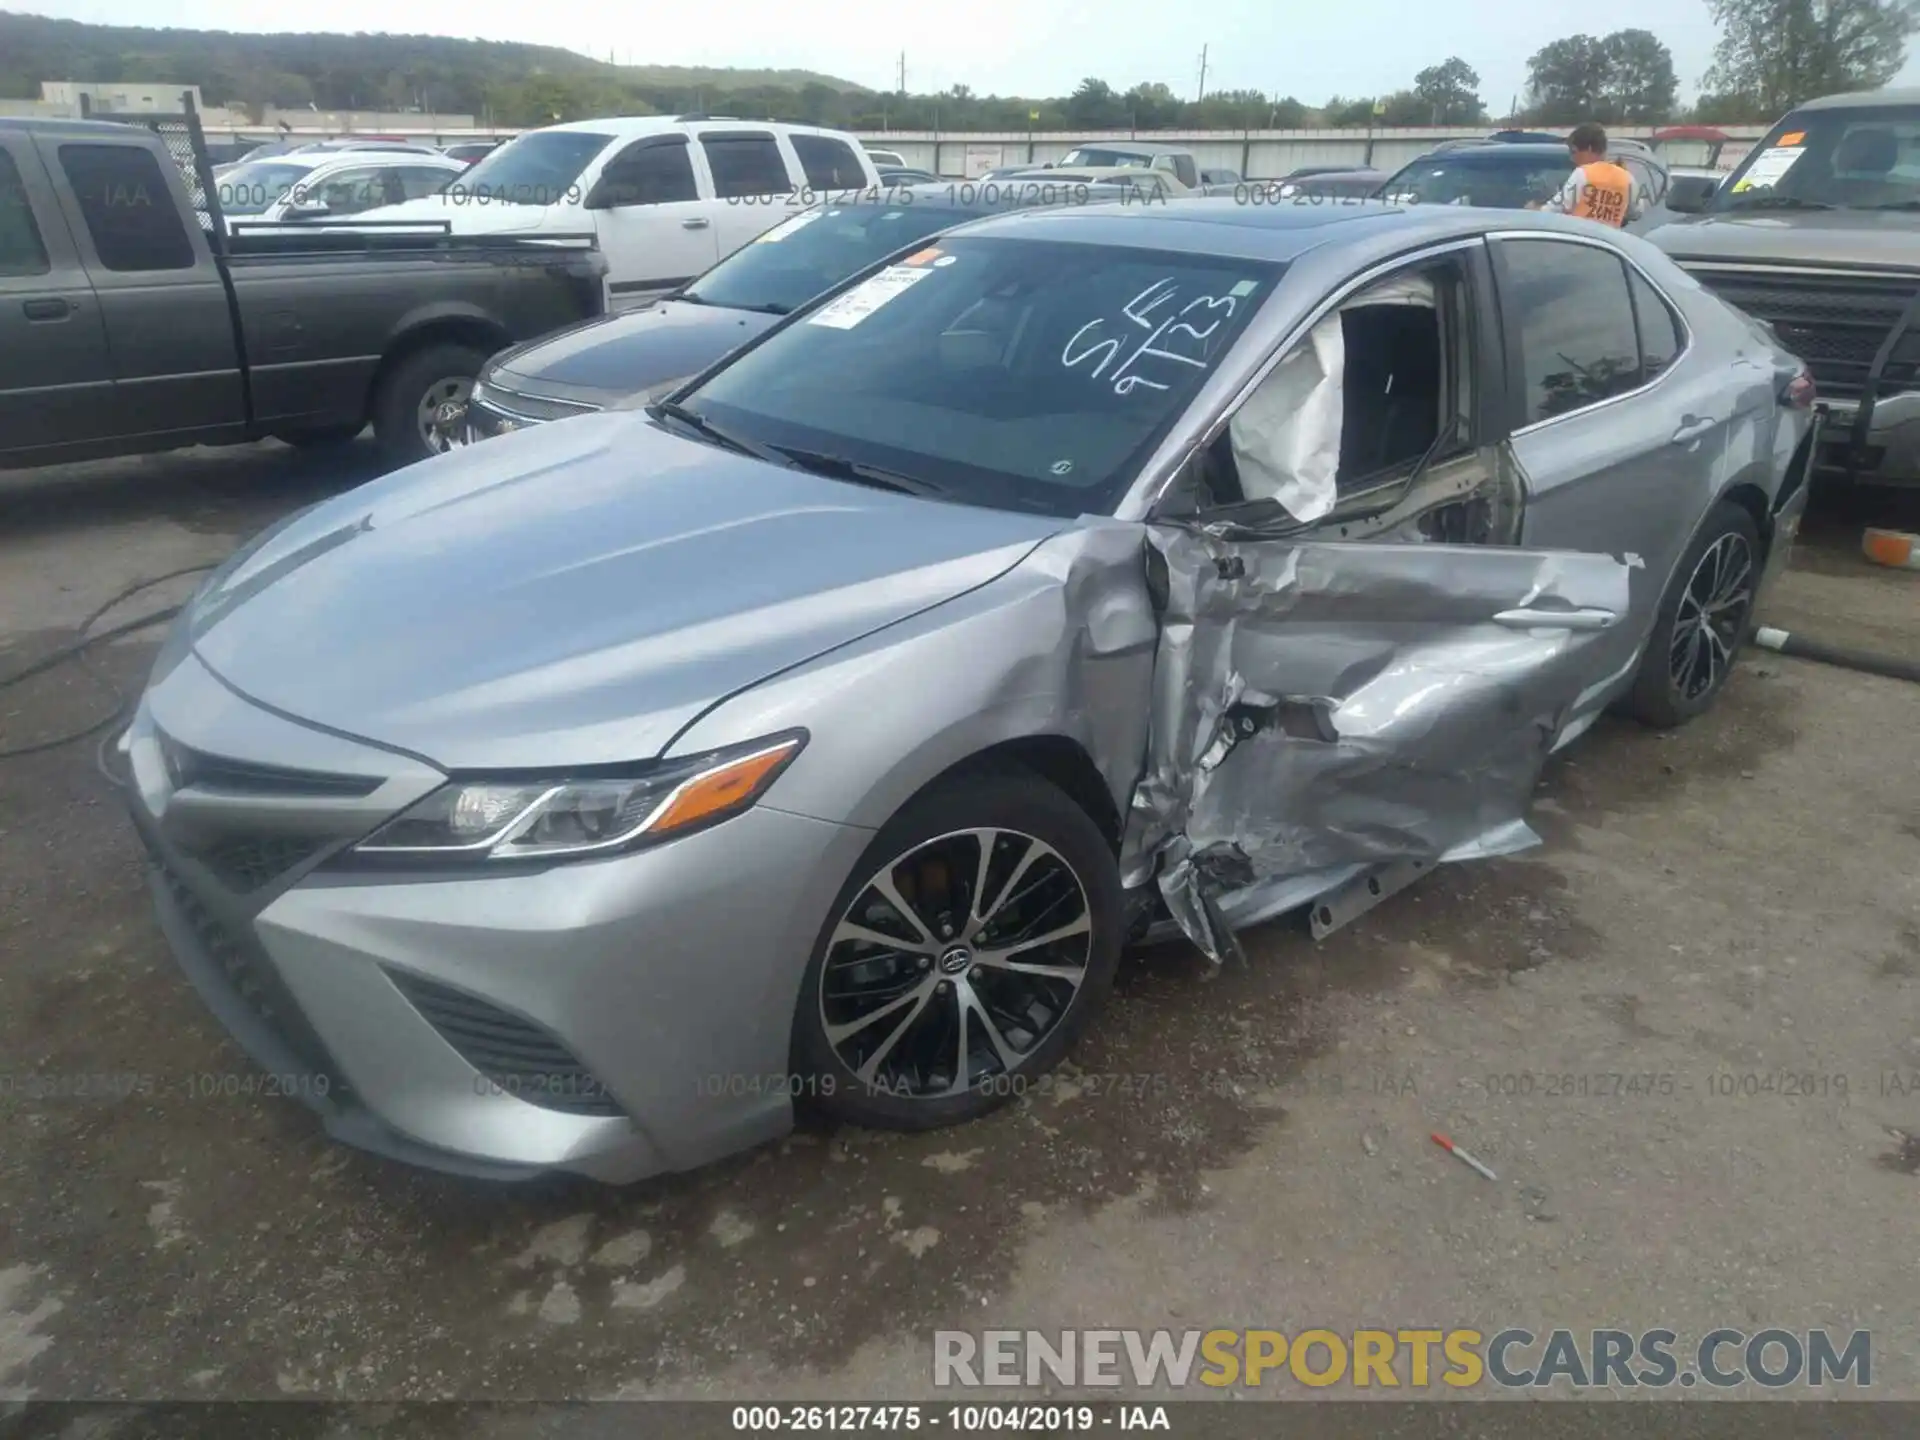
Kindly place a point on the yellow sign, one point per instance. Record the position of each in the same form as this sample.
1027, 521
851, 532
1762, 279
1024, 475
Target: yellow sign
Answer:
1033, 114
1379, 107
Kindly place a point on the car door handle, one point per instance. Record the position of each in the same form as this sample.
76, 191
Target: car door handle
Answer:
699, 224
54, 309
1555, 619
1691, 429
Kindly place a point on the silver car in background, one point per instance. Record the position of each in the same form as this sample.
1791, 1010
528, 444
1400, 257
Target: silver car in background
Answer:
589, 798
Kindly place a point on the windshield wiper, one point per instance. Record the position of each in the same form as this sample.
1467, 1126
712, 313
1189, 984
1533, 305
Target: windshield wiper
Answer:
1776, 202
767, 309
700, 425
839, 467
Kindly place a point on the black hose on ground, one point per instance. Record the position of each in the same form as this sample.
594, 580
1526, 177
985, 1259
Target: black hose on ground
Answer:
77, 651
1799, 647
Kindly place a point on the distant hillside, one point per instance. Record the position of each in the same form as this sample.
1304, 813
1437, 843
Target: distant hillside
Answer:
510, 82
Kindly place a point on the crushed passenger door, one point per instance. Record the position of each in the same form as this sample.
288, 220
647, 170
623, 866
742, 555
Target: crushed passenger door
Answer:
1323, 708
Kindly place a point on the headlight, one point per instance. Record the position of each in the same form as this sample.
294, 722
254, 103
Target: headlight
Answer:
541, 818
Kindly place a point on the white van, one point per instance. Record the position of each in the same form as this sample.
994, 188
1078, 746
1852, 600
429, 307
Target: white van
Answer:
667, 196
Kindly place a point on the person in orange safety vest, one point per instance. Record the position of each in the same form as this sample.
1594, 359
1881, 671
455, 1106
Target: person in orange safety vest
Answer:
1597, 189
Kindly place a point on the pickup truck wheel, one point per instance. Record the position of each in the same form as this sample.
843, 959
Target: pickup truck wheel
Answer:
412, 393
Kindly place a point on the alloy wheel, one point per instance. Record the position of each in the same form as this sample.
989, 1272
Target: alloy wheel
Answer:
955, 962
446, 397
1713, 611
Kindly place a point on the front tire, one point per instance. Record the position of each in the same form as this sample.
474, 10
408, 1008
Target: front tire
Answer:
964, 956
413, 390
1702, 621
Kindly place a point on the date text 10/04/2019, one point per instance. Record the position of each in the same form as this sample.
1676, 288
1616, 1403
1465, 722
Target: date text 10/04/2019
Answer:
953, 1419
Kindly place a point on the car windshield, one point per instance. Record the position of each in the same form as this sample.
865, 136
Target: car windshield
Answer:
814, 251
1016, 373
1101, 159
540, 168
1864, 158
1485, 179
249, 189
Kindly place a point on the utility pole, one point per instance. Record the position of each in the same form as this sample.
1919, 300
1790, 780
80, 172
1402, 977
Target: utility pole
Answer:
1203, 76
903, 72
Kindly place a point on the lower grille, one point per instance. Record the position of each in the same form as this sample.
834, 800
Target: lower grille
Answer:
515, 1054
1836, 323
252, 979
245, 864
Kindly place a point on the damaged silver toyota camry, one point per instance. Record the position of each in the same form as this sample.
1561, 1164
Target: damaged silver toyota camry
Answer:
590, 798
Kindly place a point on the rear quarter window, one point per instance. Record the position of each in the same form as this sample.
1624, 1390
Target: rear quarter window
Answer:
829, 164
130, 212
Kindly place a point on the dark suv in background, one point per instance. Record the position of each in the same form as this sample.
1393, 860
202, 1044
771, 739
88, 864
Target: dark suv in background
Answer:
1817, 233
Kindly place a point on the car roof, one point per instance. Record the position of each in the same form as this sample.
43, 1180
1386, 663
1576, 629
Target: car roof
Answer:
633, 127
1901, 95
1220, 225
79, 129
1130, 147
340, 159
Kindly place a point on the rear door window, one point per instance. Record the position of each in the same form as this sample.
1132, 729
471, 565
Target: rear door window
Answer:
746, 164
423, 181
130, 212
649, 173
829, 164
22, 252
1575, 324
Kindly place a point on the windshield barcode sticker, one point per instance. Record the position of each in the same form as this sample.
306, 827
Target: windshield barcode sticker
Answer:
780, 232
865, 298
1769, 166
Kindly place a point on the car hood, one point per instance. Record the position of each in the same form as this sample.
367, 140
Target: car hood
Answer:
1879, 239
613, 356
576, 593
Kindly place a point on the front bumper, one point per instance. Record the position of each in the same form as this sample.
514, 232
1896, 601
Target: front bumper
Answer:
643, 1003
491, 411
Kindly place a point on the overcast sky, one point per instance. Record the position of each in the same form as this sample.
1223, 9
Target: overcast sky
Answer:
1017, 47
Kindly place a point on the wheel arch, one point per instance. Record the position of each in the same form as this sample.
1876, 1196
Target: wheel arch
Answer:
1059, 759
451, 324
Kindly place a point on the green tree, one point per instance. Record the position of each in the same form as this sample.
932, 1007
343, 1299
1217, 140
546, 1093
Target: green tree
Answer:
1450, 91
1566, 81
1639, 85
1780, 53
1153, 107
1094, 106
1340, 113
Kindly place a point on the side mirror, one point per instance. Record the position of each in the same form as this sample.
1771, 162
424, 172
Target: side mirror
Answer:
308, 207
1687, 200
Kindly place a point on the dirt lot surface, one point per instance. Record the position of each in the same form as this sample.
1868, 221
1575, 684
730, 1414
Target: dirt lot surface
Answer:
1685, 1033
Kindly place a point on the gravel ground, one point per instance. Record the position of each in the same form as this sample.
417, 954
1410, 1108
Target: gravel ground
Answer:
1713, 911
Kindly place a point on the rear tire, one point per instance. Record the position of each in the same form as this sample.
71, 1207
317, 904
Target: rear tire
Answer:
878, 1031
412, 388
1702, 621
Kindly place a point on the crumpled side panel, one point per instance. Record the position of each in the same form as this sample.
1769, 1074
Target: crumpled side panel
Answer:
1319, 707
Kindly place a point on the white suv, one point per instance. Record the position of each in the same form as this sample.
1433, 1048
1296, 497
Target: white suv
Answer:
666, 196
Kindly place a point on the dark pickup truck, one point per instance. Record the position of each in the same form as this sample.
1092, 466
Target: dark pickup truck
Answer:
132, 321
1817, 233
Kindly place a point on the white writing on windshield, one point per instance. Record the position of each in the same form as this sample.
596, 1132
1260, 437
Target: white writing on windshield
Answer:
1174, 334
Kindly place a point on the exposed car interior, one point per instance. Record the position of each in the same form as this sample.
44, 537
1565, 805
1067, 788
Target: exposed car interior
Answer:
1365, 425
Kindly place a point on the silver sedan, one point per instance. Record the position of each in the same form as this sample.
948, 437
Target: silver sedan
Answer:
592, 798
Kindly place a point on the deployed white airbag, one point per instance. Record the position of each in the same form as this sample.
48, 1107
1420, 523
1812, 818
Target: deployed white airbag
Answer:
1286, 438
